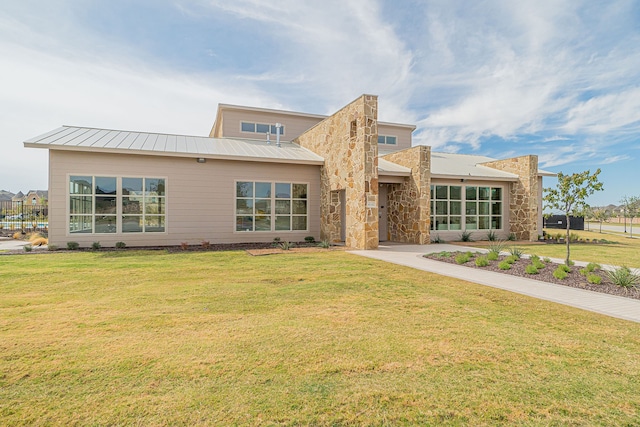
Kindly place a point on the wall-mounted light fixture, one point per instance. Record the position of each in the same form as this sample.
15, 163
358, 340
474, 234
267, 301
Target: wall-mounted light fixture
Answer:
201, 160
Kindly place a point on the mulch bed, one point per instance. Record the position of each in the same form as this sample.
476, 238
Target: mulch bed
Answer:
574, 278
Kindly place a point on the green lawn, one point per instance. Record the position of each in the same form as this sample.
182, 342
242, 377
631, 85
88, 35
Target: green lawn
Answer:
330, 338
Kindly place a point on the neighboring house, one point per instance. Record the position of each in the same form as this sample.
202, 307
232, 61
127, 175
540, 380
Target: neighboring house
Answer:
343, 178
6, 196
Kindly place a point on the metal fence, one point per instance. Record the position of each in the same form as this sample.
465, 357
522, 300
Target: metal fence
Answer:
20, 216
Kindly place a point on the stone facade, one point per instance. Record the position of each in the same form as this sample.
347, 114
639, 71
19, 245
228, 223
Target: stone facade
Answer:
348, 141
408, 202
524, 209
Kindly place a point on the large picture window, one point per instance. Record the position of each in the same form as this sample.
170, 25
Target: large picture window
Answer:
455, 207
271, 206
96, 203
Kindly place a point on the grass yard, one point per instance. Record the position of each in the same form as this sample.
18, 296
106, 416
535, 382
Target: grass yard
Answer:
330, 338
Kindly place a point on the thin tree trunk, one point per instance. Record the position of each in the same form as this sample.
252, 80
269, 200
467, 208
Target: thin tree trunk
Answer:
567, 242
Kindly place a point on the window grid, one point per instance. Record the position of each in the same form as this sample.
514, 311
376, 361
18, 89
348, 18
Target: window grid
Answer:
271, 206
469, 208
97, 205
387, 139
263, 128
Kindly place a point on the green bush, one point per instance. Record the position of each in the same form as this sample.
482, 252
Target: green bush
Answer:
624, 277
491, 236
72, 246
285, 246
564, 268
511, 259
516, 251
512, 237
462, 258
538, 264
465, 236
52, 247
121, 245
28, 248
482, 261
546, 260
534, 258
492, 256
504, 265
95, 245
531, 269
324, 244
594, 278
560, 273
310, 239
443, 254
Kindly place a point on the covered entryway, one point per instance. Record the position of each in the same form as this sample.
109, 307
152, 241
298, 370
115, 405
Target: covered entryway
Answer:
383, 213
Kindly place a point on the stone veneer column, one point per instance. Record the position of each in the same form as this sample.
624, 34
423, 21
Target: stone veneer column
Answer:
524, 206
348, 141
409, 217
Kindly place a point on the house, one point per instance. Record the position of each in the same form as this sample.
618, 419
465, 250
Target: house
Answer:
6, 196
265, 173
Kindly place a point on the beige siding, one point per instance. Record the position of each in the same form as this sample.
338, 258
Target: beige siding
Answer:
200, 197
402, 133
293, 126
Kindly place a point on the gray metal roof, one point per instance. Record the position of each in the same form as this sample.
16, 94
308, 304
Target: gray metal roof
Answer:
448, 165
117, 141
385, 167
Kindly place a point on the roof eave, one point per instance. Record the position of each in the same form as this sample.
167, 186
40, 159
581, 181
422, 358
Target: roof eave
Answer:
474, 177
175, 154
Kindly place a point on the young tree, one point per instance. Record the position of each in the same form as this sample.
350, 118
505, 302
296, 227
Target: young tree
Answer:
601, 215
570, 195
631, 210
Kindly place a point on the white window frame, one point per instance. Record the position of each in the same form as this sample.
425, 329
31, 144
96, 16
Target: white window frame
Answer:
272, 128
119, 211
463, 205
272, 207
386, 139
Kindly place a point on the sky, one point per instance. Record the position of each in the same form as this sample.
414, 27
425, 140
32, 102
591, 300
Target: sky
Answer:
501, 78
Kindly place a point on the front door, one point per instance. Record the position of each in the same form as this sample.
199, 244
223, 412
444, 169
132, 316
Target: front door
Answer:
383, 218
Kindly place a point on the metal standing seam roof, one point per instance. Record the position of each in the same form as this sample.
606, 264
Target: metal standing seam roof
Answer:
128, 142
448, 165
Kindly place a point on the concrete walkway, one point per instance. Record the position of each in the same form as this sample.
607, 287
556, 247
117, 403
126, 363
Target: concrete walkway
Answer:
411, 256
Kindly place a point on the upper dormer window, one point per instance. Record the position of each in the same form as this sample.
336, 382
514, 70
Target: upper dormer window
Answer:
387, 139
260, 128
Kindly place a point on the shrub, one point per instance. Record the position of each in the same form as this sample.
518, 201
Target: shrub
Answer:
594, 279
465, 236
443, 254
184, 246
573, 237
205, 244
17, 235
534, 258
482, 261
72, 246
52, 247
511, 259
564, 268
121, 245
285, 246
492, 256
310, 239
623, 277
546, 260
512, 237
437, 239
95, 246
531, 269
462, 258
28, 248
504, 265
539, 264
277, 240
324, 244
497, 247
516, 252
559, 273
491, 236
